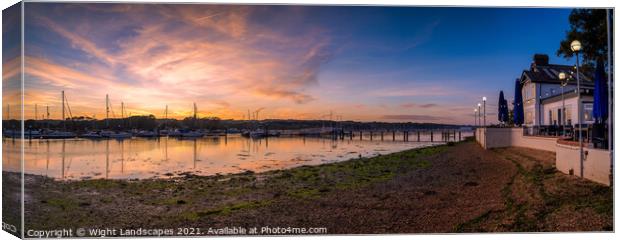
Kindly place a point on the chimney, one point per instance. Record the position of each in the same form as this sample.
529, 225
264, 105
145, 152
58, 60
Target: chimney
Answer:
541, 59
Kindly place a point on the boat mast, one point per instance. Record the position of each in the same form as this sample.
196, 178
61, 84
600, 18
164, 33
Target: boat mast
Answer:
123, 113
195, 116
107, 111
36, 113
331, 123
64, 124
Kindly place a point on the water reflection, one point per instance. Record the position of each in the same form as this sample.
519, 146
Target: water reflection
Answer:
164, 157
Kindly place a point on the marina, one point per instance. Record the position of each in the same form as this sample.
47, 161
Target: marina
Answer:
163, 157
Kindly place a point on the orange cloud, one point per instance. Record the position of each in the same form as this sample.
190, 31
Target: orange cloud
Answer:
187, 62
11, 68
61, 76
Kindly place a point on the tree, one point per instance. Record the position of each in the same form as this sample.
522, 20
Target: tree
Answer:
589, 26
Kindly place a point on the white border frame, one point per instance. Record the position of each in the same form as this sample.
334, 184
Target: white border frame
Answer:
444, 3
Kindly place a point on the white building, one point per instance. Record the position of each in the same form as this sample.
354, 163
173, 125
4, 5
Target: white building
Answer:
542, 94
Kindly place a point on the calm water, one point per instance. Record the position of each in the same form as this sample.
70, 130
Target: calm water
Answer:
163, 157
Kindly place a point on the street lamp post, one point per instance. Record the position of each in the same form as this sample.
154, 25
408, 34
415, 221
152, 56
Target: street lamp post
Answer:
484, 110
475, 117
479, 113
576, 47
563, 83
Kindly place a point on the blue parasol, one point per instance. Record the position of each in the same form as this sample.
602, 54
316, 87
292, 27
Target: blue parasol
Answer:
505, 110
518, 104
500, 107
599, 110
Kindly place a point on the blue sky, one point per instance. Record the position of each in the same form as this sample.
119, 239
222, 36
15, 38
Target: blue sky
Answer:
361, 63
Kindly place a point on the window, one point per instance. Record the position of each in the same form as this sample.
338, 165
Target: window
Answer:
587, 112
528, 91
529, 117
567, 115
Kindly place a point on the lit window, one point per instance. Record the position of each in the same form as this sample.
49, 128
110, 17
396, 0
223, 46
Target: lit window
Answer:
587, 112
529, 117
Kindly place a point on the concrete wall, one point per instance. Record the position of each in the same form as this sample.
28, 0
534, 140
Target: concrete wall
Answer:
512, 137
596, 166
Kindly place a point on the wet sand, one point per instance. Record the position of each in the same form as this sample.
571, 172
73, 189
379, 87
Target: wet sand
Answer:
443, 189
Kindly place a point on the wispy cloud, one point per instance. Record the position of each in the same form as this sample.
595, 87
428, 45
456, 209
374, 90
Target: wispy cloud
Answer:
11, 68
77, 41
428, 105
415, 91
414, 105
194, 52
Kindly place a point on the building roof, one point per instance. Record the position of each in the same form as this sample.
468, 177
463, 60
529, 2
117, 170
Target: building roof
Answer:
567, 95
548, 73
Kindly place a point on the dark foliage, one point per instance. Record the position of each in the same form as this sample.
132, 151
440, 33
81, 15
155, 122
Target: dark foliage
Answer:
590, 28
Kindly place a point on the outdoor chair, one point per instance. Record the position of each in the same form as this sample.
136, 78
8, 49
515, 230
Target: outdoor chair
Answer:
553, 130
584, 132
598, 136
568, 130
542, 130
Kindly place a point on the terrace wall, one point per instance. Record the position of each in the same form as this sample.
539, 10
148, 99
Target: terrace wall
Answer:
512, 137
596, 166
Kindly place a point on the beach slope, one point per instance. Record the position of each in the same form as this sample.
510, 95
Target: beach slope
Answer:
443, 189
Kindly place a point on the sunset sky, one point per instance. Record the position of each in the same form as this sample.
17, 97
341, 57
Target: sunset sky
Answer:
299, 62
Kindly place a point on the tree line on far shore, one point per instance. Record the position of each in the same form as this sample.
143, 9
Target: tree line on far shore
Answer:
213, 123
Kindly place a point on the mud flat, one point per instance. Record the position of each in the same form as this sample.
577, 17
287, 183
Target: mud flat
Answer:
441, 189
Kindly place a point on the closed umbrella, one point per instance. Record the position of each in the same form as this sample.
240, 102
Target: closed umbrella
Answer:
505, 109
500, 107
518, 104
599, 110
